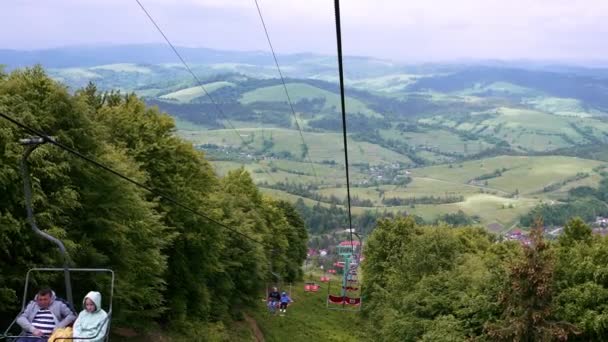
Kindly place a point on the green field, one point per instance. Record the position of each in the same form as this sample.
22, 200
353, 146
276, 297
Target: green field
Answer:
558, 106
188, 94
282, 195
419, 187
592, 181
492, 203
430, 187
149, 92
498, 87
246, 124
386, 84
541, 172
362, 193
432, 157
183, 125
74, 73
321, 146
123, 67
261, 172
301, 91
489, 208
528, 174
326, 174
437, 140
528, 130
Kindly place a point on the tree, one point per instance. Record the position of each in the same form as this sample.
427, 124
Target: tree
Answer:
446, 329
580, 285
527, 300
297, 237
175, 169
421, 281
575, 231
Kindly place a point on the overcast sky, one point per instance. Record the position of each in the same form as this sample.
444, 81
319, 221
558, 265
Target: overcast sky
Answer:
421, 30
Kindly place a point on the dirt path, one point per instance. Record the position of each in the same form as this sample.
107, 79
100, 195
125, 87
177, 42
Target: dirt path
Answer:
259, 336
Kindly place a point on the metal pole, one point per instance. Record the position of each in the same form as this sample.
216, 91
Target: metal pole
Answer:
345, 274
327, 298
360, 251
32, 144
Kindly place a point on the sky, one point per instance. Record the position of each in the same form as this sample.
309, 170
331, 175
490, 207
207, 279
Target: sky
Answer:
422, 30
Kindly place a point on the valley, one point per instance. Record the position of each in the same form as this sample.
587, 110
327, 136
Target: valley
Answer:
492, 142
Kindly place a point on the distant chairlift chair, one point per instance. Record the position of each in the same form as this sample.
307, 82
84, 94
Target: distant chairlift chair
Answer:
347, 300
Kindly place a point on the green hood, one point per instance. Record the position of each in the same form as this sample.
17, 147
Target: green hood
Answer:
95, 297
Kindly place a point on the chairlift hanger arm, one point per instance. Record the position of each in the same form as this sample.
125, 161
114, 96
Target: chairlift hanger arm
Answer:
32, 144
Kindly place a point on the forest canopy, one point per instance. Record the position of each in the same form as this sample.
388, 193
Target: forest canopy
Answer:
172, 267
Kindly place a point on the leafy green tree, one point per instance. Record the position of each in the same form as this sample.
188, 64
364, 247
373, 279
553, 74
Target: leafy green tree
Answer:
445, 329
575, 231
581, 287
240, 205
297, 236
528, 313
420, 280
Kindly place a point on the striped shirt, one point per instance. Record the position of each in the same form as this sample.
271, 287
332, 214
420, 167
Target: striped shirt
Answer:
44, 321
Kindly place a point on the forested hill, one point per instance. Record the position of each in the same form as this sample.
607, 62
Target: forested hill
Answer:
172, 267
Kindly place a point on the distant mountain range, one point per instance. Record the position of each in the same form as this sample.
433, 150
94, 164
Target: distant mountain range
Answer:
82, 56
357, 66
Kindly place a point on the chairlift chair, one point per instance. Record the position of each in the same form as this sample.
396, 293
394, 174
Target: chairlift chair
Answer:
311, 287
9, 335
350, 294
31, 144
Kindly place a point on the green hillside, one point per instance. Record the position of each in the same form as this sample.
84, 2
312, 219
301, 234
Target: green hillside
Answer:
303, 91
124, 67
528, 174
321, 146
188, 94
527, 130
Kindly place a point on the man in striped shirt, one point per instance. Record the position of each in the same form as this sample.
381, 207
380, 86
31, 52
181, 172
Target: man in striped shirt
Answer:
43, 315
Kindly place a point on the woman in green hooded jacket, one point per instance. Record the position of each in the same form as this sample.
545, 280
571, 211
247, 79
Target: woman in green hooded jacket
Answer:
92, 322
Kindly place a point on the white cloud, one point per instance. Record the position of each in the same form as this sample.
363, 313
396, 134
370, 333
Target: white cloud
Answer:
429, 29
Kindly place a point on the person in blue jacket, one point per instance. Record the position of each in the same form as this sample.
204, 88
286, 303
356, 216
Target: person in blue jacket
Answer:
285, 300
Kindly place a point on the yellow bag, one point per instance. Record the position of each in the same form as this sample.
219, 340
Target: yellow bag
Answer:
60, 335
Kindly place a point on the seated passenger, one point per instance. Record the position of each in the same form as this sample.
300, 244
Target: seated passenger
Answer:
43, 315
91, 322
